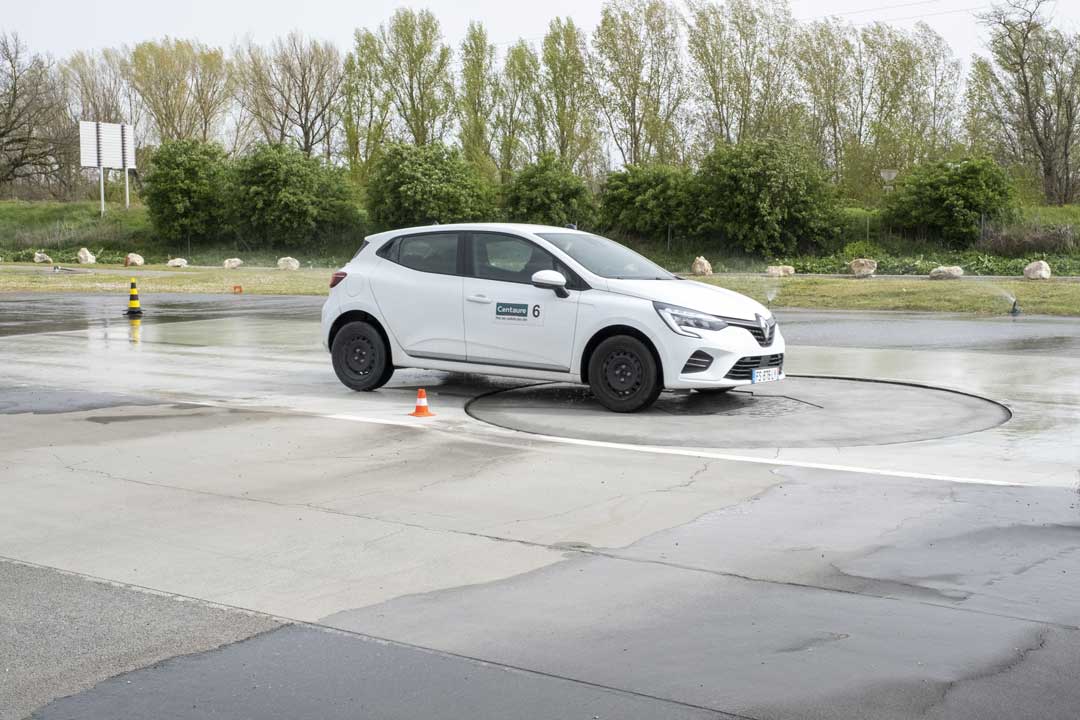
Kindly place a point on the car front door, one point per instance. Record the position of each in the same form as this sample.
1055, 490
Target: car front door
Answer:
508, 321
418, 290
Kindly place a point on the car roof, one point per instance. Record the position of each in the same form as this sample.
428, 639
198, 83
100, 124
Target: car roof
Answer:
497, 227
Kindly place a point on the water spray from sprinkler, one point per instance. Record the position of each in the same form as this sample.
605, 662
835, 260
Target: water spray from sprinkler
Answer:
1016, 309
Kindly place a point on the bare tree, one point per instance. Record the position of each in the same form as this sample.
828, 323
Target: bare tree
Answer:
184, 85
477, 97
1032, 82
743, 56
415, 66
570, 108
35, 129
292, 90
637, 75
513, 118
365, 106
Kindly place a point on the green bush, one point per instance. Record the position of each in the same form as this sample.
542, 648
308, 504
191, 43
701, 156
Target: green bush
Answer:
857, 224
951, 200
420, 185
861, 249
646, 201
547, 192
763, 198
185, 192
282, 198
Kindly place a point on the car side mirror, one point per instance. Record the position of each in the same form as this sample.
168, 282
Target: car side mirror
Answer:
551, 280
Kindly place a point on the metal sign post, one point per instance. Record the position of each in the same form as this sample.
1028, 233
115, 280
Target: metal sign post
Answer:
125, 144
107, 146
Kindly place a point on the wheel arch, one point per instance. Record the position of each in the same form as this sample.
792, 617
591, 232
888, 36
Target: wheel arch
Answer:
359, 316
610, 331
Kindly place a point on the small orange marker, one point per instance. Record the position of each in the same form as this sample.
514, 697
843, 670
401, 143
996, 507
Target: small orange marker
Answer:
237, 289
421, 405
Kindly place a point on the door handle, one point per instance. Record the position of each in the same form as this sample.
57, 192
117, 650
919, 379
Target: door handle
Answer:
483, 299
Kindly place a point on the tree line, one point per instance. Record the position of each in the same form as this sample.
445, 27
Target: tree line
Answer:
655, 83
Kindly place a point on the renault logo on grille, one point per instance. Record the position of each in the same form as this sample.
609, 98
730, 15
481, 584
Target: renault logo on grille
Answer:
766, 327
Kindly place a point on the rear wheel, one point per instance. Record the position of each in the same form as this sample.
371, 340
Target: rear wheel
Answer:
360, 356
623, 374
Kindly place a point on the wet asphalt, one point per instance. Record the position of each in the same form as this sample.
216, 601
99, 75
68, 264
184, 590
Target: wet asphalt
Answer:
636, 585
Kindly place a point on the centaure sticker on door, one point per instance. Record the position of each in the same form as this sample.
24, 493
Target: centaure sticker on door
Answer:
519, 312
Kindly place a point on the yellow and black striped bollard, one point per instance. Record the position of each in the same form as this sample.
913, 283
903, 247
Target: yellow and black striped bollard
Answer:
133, 309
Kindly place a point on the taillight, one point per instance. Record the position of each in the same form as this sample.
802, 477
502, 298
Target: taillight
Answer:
337, 277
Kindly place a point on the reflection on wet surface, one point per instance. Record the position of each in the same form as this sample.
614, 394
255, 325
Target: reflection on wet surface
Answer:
35, 312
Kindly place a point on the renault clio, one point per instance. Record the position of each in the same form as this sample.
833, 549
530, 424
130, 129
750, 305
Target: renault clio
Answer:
543, 303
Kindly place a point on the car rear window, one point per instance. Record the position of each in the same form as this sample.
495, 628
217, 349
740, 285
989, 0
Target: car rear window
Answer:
434, 253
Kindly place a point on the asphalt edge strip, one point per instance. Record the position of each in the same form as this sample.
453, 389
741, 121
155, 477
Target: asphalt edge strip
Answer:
293, 622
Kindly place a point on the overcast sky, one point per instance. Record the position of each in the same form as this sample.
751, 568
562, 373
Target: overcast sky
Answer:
61, 26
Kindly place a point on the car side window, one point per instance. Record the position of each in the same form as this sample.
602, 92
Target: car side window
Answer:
433, 253
510, 259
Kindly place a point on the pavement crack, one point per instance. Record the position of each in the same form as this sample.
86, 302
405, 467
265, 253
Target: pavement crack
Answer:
690, 480
563, 550
1018, 658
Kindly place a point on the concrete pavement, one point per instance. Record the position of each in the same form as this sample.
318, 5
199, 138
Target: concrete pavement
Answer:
451, 568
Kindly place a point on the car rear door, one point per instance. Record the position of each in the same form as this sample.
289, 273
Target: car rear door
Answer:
508, 321
418, 288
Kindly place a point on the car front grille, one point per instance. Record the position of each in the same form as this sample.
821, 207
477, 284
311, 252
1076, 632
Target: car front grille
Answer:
763, 336
744, 368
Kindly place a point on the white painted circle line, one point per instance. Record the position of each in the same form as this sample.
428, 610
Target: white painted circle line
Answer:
690, 452
647, 449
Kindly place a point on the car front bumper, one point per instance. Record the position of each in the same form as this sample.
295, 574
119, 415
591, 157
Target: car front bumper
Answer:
724, 348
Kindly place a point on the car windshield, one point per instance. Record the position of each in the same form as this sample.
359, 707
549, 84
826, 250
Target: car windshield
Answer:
607, 258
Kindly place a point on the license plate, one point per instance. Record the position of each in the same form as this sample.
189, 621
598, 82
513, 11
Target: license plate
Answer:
760, 375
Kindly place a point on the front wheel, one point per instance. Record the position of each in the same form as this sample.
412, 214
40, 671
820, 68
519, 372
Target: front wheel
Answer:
623, 374
360, 356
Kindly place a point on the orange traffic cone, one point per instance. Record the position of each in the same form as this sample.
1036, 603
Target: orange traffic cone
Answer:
421, 405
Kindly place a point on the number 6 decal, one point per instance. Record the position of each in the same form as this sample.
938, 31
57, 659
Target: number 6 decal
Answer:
536, 311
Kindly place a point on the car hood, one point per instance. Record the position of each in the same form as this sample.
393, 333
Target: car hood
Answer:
693, 295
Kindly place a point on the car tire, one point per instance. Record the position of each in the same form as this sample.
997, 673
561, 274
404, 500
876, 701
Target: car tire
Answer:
624, 375
361, 358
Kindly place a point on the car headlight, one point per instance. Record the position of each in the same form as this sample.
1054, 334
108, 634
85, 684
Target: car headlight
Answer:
684, 321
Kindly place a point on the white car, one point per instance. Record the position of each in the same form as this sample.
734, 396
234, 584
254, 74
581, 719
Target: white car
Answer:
544, 303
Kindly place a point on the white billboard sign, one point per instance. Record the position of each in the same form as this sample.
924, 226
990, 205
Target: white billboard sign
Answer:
88, 150
107, 146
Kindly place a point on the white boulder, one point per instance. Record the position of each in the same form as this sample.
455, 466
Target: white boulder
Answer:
700, 266
863, 267
86, 257
288, 263
1038, 270
134, 259
232, 263
177, 263
40, 257
947, 272
780, 271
